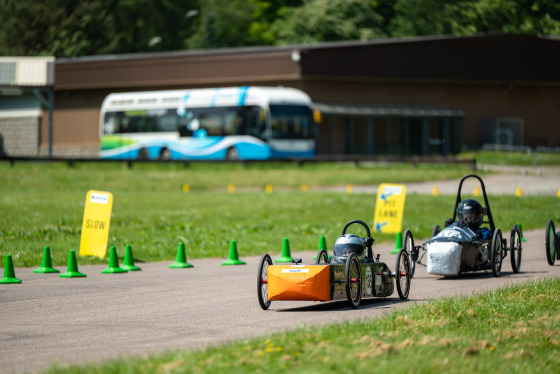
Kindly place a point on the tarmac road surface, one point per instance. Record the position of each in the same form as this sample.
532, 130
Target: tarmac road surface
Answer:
47, 318
506, 181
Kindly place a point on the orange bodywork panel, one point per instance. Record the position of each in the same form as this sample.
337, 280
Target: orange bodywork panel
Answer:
299, 282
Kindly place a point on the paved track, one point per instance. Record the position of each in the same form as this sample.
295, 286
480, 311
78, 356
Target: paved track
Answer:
47, 318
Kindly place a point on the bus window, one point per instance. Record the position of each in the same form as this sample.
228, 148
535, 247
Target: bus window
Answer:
233, 123
290, 122
212, 123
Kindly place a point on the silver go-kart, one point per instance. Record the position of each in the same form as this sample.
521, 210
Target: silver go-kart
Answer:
458, 248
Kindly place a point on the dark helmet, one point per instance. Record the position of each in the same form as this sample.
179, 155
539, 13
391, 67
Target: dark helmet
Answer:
349, 243
470, 212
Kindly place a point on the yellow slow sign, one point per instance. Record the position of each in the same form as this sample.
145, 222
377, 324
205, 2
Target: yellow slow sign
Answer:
95, 227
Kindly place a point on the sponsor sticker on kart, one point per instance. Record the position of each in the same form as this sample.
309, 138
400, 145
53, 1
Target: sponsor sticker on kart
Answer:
295, 270
369, 281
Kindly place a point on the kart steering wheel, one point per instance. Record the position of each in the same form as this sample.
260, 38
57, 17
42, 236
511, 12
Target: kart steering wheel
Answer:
368, 240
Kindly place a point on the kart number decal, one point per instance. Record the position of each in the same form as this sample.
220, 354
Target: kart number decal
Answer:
450, 234
295, 270
369, 281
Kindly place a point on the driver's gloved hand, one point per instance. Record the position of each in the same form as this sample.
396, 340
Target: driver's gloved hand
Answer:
448, 222
368, 241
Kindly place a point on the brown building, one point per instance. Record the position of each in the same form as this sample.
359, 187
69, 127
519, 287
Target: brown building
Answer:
425, 95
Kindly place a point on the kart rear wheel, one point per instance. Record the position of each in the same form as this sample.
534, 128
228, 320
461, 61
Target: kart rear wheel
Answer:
262, 281
496, 259
353, 281
411, 251
436, 230
550, 242
515, 248
322, 257
402, 275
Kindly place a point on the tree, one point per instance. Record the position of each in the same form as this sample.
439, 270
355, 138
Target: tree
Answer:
460, 17
222, 23
328, 20
67, 28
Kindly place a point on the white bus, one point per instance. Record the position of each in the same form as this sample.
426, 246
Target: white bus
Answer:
235, 123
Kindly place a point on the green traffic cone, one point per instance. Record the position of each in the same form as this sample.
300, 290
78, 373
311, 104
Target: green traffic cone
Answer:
233, 257
521, 232
286, 256
322, 245
398, 244
46, 264
181, 262
129, 260
9, 273
113, 263
72, 271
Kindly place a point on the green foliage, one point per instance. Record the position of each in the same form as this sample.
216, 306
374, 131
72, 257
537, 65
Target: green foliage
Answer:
462, 17
328, 20
421, 17
223, 23
65, 28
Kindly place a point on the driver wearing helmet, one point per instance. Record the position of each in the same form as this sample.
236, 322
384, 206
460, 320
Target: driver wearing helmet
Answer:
347, 244
469, 212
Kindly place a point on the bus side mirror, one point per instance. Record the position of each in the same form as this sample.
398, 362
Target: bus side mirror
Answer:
317, 117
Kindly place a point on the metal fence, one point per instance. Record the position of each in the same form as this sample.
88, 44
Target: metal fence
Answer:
357, 160
531, 153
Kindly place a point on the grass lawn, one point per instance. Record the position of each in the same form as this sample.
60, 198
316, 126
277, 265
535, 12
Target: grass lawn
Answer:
43, 205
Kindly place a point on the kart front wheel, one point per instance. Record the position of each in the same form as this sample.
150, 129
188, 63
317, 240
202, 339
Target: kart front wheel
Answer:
550, 243
353, 281
402, 275
411, 251
322, 257
496, 259
262, 281
515, 248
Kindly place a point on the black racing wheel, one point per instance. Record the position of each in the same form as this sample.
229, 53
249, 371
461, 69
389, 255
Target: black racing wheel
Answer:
353, 280
408, 246
402, 274
322, 257
515, 248
550, 242
496, 259
262, 281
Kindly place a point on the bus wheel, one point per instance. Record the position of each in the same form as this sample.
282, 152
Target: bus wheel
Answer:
232, 154
143, 154
165, 154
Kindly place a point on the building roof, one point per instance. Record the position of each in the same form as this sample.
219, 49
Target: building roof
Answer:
26, 71
387, 110
478, 58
